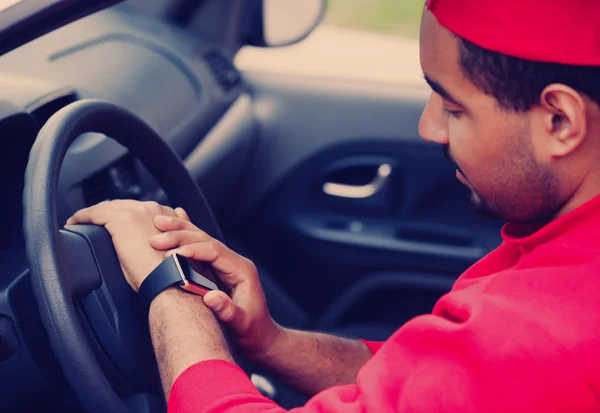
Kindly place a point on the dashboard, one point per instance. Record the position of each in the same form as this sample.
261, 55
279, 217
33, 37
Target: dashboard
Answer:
177, 83
183, 86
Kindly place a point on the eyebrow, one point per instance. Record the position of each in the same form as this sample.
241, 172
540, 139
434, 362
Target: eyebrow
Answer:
439, 89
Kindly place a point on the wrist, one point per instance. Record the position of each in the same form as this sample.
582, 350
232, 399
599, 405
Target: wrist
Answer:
180, 314
270, 340
174, 300
184, 332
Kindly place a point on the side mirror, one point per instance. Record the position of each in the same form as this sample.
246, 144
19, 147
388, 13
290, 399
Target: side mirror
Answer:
284, 22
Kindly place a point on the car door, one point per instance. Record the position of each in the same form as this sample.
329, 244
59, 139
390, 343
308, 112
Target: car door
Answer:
357, 224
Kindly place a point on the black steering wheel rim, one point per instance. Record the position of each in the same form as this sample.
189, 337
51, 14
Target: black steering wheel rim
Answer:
55, 292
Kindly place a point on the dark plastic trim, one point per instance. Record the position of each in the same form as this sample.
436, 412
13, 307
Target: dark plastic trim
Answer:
372, 283
31, 19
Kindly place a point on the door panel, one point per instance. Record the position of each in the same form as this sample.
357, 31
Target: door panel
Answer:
299, 117
317, 245
354, 217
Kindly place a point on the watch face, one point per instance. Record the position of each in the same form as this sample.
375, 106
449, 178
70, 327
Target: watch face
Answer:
194, 278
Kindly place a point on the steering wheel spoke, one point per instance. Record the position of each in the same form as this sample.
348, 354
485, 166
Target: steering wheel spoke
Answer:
78, 264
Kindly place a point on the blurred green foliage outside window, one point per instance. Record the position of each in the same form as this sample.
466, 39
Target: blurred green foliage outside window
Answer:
392, 17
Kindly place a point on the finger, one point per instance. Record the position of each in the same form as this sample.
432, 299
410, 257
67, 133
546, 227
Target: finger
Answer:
180, 212
151, 207
168, 211
171, 252
123, 204
99, 214
80, 217
200, 267
96, 214
168, 223
126, 203
228, 265
223, 308
206, 251
174, 239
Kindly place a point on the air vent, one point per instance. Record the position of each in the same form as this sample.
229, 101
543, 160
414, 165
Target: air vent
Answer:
223, 70
44, 108
98, 188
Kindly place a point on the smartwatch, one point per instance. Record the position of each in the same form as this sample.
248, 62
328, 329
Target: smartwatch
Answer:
175, 270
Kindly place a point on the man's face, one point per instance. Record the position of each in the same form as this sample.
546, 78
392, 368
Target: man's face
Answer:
491, 147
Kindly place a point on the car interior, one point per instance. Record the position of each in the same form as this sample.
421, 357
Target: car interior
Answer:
355, 224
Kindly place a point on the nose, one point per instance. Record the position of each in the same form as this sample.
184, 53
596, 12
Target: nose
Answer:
433, 125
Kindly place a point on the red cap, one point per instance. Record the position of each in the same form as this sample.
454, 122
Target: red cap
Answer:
555, 31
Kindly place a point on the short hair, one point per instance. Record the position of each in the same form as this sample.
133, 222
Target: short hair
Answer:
517, 84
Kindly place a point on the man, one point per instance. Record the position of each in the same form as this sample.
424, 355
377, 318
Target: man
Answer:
515, 102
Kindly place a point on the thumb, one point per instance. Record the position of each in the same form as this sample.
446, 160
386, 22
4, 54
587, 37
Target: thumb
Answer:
224, 309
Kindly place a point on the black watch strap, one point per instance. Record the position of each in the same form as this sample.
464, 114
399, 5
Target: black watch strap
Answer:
164, 275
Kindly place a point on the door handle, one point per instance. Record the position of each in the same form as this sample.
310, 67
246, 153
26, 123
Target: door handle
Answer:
360, 191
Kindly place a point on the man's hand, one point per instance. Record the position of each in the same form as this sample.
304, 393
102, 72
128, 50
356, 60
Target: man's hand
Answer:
309, 362
244, 311
184, 332
130, 223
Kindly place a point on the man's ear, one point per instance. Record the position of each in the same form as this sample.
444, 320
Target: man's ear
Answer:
564, 114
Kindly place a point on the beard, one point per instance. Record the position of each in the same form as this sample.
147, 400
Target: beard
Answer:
477, 199
483, 208
523, 192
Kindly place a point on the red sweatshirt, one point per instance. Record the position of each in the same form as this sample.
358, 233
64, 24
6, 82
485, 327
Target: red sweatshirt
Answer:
519, 332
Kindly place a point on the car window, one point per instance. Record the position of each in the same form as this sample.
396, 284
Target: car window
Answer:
390, 17
373, 40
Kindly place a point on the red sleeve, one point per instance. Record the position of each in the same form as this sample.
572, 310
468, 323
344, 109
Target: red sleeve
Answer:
373, 346
216, 386
481, 358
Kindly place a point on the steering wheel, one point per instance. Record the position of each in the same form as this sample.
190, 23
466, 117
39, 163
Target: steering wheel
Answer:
97, 328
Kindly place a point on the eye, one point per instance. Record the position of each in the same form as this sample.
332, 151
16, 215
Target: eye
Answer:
452, 113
